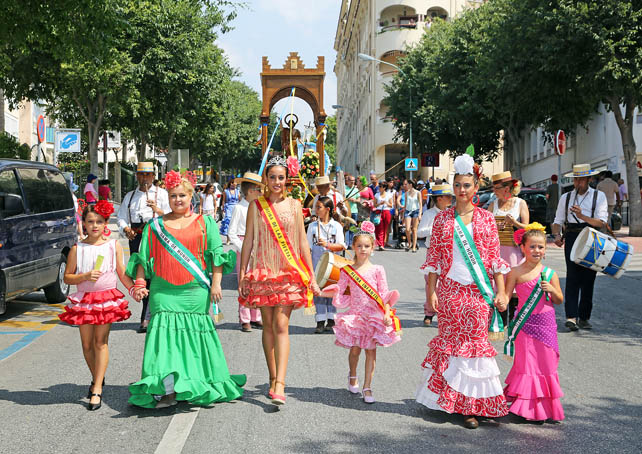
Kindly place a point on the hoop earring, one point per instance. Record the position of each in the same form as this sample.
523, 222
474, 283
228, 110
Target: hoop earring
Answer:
106, 231
475, 200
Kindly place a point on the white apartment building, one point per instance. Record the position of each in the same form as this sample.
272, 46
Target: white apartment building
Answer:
599, 144
21, 123
382, 29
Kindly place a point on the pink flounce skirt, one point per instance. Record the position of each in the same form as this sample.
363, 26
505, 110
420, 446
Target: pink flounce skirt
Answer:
360, 330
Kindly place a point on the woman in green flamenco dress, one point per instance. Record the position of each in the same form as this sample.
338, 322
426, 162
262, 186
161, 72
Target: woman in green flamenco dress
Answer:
183, 358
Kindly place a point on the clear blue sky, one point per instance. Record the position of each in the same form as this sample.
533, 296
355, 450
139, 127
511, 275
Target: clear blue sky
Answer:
275, 28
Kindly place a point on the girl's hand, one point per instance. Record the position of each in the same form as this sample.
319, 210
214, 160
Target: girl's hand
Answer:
140, 293
387, 320
501, 302
434, 302
315, 288
93, 275
547, 287
243, 290
215, 293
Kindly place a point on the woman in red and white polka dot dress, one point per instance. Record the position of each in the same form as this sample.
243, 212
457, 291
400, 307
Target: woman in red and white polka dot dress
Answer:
460, 372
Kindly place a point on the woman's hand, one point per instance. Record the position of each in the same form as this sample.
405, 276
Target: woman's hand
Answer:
508, 220
93, 275
434, 302
215, 293
501, 301
243, 290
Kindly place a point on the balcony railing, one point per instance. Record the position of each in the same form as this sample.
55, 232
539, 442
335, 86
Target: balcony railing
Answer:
399, 23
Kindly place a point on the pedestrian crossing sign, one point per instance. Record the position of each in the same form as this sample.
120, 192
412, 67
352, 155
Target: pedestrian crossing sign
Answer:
412, 164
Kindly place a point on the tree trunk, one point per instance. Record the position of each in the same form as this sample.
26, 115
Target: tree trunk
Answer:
2, 125
140, 153
625, 125
511, 146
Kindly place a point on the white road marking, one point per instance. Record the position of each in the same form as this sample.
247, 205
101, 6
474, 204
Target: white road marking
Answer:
177, 432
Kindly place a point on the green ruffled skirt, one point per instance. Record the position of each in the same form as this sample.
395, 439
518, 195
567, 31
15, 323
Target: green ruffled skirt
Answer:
182, 340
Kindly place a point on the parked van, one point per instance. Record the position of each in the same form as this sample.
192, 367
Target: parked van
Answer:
37, 230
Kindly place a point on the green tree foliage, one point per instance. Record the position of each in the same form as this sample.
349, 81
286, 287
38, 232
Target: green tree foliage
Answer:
330, 144
11, 148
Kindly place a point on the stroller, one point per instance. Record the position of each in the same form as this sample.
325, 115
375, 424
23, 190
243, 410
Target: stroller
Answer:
402, 238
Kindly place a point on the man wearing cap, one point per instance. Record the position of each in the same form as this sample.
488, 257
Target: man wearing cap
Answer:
138, 207
442, 196
323, 186
580, 208
251, 189
423, 190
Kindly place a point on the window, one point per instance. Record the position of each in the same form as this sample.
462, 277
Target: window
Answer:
45, 190
10, 195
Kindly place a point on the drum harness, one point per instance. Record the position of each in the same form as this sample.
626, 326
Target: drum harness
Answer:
579, 226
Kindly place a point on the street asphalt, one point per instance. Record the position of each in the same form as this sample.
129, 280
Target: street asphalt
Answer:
44, 384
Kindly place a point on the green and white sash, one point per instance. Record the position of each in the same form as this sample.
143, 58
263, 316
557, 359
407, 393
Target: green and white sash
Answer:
525, 312
476, 268
183, 255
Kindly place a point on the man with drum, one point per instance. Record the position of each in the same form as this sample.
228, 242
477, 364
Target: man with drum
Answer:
138, 207
580, 208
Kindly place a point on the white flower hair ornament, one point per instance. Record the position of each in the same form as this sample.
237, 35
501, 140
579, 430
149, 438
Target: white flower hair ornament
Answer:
464, 165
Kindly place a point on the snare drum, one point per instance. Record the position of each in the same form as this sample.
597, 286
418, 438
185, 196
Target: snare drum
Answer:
601, 252
329, 268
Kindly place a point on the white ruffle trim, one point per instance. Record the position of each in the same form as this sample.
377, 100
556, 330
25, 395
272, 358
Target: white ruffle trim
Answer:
474, 377
502, 268
430, 269
424, 396
88, 307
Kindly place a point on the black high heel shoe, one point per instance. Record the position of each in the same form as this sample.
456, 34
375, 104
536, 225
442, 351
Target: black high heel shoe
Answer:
91, 388
92, 407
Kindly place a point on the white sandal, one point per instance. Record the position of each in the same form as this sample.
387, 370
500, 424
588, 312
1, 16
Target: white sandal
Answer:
354, 389
368, 399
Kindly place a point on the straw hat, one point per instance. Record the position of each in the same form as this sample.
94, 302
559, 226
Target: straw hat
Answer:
502, 177
441, 189
319, 181
581, 170
145, 167
249, 177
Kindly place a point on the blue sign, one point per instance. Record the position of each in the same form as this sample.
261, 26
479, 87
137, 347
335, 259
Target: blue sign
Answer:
67, 141
412, 164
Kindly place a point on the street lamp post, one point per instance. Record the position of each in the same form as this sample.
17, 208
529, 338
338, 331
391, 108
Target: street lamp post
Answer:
366, 57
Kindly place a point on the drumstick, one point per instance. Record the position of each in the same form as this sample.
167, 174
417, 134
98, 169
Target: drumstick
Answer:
99, 263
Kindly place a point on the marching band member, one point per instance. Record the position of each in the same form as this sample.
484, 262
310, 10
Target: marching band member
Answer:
582, 207
138, 207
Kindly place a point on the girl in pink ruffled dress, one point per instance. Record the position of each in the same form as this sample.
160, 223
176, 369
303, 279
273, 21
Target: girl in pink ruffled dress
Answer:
94, 266
367, 323
532, 386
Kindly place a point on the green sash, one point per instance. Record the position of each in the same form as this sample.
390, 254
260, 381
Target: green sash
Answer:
525, 312
475, 265
183, 255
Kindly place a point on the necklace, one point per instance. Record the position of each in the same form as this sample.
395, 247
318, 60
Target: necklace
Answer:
464, 214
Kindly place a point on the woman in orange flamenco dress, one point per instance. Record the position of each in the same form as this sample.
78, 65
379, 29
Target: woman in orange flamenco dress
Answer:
279, 278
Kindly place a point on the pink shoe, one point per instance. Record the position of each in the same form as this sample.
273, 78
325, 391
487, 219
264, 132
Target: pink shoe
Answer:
368, 399
354, 389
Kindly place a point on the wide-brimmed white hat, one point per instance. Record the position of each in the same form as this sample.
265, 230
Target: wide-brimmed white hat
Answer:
250, 177
581, 170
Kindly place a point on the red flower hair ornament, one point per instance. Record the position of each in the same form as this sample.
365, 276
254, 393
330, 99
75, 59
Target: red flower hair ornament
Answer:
104, 208
173, 178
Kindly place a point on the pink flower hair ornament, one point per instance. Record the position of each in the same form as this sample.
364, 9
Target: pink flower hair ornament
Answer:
293, 166
518, 235
366, 228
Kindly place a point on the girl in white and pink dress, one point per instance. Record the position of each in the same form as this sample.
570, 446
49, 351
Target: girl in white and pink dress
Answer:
94, 266
367, 323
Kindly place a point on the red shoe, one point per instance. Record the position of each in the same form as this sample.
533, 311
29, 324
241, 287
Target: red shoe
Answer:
277, 399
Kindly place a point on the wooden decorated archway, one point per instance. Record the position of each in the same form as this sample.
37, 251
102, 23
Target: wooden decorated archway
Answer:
277, 84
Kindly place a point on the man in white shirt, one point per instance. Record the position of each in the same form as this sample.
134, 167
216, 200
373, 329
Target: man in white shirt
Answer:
582, 207
138, 207
612, 191
323, 186
251, 188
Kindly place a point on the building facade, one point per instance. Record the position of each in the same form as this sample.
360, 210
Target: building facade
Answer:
599, 144
382, 29
21, 123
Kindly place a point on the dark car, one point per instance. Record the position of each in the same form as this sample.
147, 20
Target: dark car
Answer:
537, 203
37, 230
